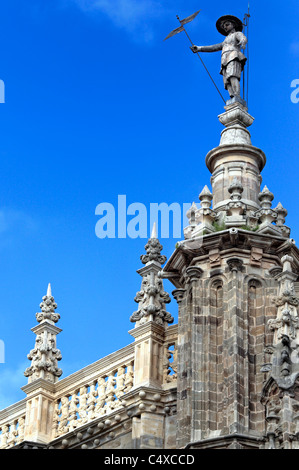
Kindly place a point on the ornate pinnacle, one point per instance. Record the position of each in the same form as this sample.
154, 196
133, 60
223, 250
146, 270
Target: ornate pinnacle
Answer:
45, 355
281, 214
48, 307
153, 249
205, 198
236, 189
191, 214
154, 231
152, 298
266, 198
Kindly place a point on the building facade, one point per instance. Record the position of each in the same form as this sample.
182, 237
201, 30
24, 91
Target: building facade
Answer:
227, 375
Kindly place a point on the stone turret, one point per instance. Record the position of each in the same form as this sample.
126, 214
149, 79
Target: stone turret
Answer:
236, 167
226, 272
236, 157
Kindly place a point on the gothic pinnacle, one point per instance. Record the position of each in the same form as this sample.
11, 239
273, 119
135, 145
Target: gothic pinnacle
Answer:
154, 231
153, 249
45, 355
48, 307
49, 291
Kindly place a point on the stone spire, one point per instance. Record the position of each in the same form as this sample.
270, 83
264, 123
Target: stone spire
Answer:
45, 355
152, 298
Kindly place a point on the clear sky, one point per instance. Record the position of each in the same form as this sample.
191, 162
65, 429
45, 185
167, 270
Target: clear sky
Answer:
98, 105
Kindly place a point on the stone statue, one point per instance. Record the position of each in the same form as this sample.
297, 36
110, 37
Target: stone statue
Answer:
232, 59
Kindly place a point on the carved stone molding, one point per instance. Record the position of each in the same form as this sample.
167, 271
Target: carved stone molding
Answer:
179, 295
235, 264
194, 272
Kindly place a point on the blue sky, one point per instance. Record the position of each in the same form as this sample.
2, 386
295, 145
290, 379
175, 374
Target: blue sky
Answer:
98, 105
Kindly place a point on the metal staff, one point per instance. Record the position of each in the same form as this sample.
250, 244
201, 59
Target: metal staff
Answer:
246, 25
180, 29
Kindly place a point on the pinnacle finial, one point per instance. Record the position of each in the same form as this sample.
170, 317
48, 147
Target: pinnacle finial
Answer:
205, 192
266, 198
45, 354
153, 249
154, 231
48, 307
205, 198
49, 290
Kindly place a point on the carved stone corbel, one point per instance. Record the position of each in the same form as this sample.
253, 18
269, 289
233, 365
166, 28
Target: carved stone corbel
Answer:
235, 264
194, 273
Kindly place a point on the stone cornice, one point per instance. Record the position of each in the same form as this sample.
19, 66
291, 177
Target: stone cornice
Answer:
147, 329
39, 386
187, 252
12, 411
46, 325
236, 150
151, 266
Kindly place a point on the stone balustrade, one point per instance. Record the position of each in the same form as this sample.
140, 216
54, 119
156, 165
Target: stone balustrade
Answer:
79, 401
170, 356
96, 398
12, 425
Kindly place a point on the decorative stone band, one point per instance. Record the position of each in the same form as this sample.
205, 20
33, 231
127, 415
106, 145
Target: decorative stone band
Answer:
244, 162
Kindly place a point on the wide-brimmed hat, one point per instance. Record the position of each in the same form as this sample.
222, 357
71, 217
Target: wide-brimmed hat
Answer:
238, 23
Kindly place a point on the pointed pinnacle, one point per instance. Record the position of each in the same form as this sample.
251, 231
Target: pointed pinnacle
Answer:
266, 190
154, 231
49, 291
280, 209
266, 194
192, 210
205, 192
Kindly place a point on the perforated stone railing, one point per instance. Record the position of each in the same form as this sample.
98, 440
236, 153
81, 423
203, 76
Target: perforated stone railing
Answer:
12, 425
89, 394
170, 356
98, 395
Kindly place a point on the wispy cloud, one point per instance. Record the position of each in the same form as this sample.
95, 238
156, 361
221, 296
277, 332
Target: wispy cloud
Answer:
295, 48
11, 220
14, 226
11, 380
135, 16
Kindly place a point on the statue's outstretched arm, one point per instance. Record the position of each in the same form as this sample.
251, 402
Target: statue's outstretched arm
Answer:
213, 48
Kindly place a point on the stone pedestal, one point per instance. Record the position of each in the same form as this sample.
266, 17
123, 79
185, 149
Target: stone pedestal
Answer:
149, 349
40, 409
237, 158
